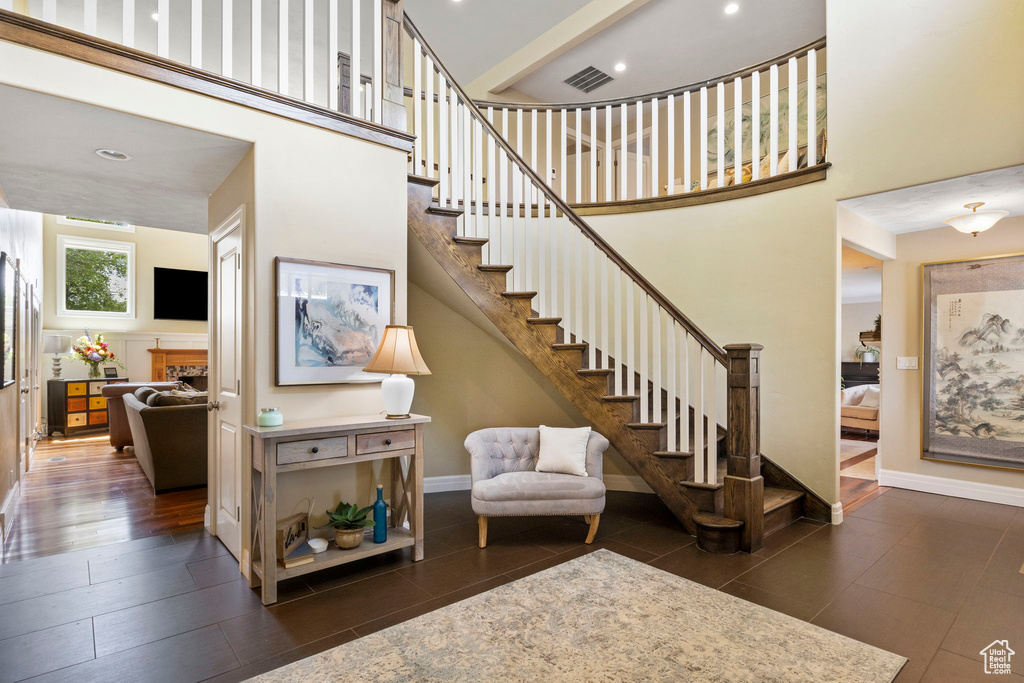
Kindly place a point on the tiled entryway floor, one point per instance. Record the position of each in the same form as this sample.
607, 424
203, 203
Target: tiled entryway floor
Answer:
932, 578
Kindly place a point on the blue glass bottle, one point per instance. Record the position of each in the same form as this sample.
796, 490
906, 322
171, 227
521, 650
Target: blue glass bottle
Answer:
380, 517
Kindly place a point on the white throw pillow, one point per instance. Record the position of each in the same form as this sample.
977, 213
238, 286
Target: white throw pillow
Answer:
563, 451
872, 395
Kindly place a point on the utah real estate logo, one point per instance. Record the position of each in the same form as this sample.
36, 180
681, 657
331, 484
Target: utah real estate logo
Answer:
997, 657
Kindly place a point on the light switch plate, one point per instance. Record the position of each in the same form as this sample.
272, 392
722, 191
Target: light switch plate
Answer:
906, 363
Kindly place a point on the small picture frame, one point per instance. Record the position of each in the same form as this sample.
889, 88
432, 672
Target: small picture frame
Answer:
110, 372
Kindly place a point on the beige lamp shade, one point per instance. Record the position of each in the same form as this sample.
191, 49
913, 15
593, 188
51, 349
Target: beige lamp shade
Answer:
57, 344
398, 353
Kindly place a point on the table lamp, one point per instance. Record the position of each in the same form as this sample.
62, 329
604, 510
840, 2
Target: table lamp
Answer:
398, 356
56, 345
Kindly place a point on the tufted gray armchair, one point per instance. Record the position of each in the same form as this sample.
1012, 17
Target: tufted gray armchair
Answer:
505, 483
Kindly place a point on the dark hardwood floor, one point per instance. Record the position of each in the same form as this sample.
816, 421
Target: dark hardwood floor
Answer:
853, 491
933, 578
94, 496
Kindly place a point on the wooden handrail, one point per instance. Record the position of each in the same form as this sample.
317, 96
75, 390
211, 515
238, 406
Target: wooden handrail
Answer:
660, 94
705, 341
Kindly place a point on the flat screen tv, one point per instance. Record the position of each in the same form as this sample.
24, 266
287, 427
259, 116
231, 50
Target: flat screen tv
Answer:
179, 294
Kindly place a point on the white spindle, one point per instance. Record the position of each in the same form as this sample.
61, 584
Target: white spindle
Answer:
578, 197
478, 176
773, 121
163, 29
196, 46
630, 360
444, 187
50, 11
699, 474
466, 166
567, 244
417, 108
128, 23
333, 78
307, 51
283, 61
794, 144
593, 154
543, 294
656, 357
90, 12
378, 60
506, 188
687, 136
603, 303
623, 151
670, 384
503, 255
355, 64
429, 103
639, 149
670, 115
655, 176
256, 47
490, 253
533, 149
812, 107
645, 404
617, 330
720, 135
552, 224
549, 162
608, 195
703, 138
456, 160
737, 130
592, 300
226, 42
710, 383
683, 379
578, 281
755, 125
563, 170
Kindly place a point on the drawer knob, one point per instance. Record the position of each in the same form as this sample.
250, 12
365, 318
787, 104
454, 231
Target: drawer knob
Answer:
387, 442
314, 449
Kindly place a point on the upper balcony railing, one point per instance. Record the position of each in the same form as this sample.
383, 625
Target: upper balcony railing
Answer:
656, 147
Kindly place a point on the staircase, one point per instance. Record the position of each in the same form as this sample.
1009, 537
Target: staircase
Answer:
640, 371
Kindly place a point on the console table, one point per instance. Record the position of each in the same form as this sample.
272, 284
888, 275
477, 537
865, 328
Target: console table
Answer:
76, 405
311, 444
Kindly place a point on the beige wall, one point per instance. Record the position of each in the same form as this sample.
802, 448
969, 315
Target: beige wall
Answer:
900, 445
856, 318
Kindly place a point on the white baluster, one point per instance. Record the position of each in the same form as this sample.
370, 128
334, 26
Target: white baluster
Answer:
670, 115
549, 161
773, 121
699, 461
630, 360
578, 197
794, 86
333, 75
163, 28
466, 166
687, 136
378, 60
720, 135
490, 249
283, 62
506, 190
50, 11
444, 189
428, 139
639, 150
456, 159
128, 23
593, 154
568, 229
478, 176
307, 50
617, 331
417, 109
197, 34
656, 357
578, 281
543, 294
553, 241
670, 384
592, 299
90, 11
608, 194
604, 341
812, 107
533, 149
563, 170
226, 40
703, 138
655, 176
683, 382
623, 151
256, 46
645, 403
355, 63
709, 406
755, 125
737, 134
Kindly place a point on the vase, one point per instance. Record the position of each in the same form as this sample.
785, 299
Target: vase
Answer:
380, 517
348, 538
94, 371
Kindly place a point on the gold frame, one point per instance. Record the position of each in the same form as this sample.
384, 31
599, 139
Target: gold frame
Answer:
924, 425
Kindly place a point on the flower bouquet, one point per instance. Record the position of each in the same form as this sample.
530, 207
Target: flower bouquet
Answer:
94, 353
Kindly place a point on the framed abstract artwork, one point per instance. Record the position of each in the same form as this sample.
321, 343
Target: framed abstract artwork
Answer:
330, 320
973, 380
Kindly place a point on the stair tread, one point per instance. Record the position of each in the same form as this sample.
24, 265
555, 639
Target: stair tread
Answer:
646, 425
519, 295
710, 519
623, 399
595, 371
489, 268
775, 498
673, 454
444, 210
543, 321
470, 240
703, 487
570, 346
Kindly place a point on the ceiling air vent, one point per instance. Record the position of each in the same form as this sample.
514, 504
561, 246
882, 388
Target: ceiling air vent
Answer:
589, 79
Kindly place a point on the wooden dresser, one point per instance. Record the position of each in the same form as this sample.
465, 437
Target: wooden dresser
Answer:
311, 444
75, 405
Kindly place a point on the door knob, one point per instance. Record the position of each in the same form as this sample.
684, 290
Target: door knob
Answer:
212, 406
24, 390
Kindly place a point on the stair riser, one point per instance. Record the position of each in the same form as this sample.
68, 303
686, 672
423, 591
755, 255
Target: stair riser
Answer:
572, 357
547, 332
523, 306
598, 383
719, 541
497, 280
707, 500
783, 516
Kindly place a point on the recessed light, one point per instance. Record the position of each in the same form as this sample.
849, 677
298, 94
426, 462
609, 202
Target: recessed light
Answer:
113, 155
732, 8
155, 16
620, 67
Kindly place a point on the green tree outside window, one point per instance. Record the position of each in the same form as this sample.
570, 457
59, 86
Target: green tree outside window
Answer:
96, 280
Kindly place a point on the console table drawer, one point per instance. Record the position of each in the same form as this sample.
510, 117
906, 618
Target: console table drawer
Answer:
385, 441
314, 449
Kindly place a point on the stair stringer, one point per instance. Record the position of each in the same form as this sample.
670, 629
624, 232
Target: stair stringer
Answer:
436, 232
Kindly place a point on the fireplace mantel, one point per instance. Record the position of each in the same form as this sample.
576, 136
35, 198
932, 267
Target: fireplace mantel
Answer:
161, 358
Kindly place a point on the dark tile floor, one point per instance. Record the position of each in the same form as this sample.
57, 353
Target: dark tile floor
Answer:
935, 579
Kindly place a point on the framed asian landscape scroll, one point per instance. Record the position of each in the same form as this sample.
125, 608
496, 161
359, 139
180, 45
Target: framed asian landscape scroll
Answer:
973, 352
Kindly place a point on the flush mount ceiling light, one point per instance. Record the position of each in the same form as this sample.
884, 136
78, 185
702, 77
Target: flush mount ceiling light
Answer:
620, 67
732, 8
976, 221
113, 155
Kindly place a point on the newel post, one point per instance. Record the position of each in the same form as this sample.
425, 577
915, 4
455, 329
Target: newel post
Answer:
393, 94
744, 487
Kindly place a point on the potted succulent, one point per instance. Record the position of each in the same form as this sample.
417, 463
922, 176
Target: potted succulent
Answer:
867, 353
349, 522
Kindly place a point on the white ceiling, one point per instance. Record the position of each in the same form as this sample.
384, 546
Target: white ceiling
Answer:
48, 163
471, 36
925, 207
862, 285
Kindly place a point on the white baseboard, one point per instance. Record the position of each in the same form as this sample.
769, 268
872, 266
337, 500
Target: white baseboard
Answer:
7, 511
837, 513
463, 482
990, 493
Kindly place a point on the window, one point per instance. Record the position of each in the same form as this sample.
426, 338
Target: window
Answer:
92, 223
95, 277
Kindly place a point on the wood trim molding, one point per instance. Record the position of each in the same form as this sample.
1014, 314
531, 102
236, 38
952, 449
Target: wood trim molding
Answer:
785, 181
22, 30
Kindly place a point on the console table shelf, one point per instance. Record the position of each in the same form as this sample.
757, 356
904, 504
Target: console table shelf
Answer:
311, 444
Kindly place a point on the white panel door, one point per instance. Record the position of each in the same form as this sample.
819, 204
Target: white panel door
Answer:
225, 441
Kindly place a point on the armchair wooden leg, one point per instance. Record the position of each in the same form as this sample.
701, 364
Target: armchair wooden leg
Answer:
593, 521
482, 522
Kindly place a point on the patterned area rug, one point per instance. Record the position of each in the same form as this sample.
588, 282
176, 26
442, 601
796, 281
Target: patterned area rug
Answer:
601, 617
